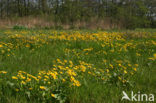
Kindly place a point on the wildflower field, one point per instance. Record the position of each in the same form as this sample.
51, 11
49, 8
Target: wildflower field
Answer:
49, 66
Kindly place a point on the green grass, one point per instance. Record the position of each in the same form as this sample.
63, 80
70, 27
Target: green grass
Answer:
91, 90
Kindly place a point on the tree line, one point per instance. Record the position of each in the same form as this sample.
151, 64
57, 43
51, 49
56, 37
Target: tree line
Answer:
131, 13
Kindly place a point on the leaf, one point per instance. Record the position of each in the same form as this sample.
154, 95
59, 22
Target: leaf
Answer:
28, 93
10, 83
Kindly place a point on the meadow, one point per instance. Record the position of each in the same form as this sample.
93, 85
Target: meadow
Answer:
75, 66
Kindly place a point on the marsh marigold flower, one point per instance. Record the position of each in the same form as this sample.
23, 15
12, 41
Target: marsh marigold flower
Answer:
53, 95
16, 90
14, 77
154, 55
42, 87
3, 72
1, 46
125, 71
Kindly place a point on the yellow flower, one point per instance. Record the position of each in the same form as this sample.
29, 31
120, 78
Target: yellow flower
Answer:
71, 62
28, 80
72, 78
154, 55
16, 90
88, 49
134, 69
42, 87
136, 65
63, 80
39, 77
89, 72
125, 71
27, 46
30, 88
53, 95
137, 54
54, 75
151, 58
111, 66
70, 72
59, 61
22, 82
1, 45
119, 65
123, 81
46, 76
107, 70
3, 72
119, 78
83, 68
14, 77
76, 83
129, 65
65, 61
23, 77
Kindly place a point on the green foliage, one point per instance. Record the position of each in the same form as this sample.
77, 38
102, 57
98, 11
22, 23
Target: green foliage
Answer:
118, 60
58, 27
19, 27
131, 14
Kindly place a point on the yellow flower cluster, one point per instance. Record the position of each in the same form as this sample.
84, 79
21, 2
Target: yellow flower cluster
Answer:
100, 56
3, 72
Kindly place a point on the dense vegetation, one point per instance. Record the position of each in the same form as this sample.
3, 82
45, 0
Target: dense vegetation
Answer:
47, 66
77, 51
118, 13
